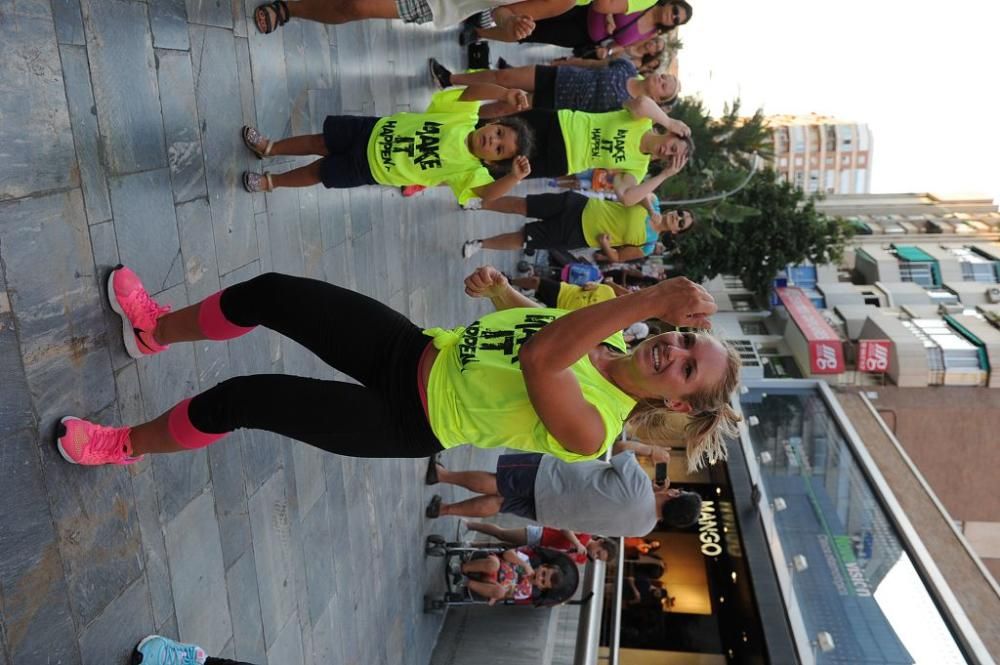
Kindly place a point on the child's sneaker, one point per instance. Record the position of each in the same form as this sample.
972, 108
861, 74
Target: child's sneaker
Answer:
83, 442
411, 190
473, 204
158, 650
471, 247
139, 312
439, 74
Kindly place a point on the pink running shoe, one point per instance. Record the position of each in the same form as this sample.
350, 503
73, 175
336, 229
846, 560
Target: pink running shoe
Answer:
139, 312
82, 442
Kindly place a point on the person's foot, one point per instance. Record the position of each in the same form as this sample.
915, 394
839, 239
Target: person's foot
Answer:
82, 442
411, 190
257, 182
158, 650
431, 475
469, 33
503, 64
256, 142
440, 74
475, 203
138, 311
433, 509
470, 248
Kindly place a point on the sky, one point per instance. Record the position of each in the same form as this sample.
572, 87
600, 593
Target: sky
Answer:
924, 75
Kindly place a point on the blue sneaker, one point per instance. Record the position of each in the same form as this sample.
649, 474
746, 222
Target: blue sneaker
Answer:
158, 650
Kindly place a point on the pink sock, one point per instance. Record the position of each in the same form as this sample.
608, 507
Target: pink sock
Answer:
213, 322
183, 431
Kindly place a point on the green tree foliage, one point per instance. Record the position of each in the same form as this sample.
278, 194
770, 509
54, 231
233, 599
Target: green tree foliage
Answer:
762, 228
757, 232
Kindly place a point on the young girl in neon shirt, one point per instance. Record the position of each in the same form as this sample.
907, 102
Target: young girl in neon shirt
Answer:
441, 145
541, 380
625, 142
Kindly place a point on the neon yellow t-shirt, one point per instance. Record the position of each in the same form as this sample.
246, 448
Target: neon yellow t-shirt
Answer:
476, 393
625, 224
429, 148
633, 5
573, 297
604, 140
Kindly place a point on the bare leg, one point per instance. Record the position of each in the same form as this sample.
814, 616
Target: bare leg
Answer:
538, 9
304, 176
505, 241
531, 282
487, 590
342, 11
309, 144
480, 506
489, 564
480, 482
510, 205
154, 437
515, 536
522, 78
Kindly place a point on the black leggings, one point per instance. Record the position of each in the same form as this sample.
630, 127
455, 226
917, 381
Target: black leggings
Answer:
374, 344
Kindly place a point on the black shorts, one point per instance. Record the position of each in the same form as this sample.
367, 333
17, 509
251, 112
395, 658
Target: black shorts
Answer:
545, 87
346, 138
548, 291
549, 160
516, 483
568, 29
561, 221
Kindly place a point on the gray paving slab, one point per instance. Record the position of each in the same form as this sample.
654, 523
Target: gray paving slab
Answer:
33, 105
217, 93
146, 227
210, 12
198, 576
15, 407
56, 305
37, 619
244, 606
155, 559
269, 520
180, 124
123, 71
80, 96
287, 647
168, 22
68, 22
105, 247
231, 508
112, 637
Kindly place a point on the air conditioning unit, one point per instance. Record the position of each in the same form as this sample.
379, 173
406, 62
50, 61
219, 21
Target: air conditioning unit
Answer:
952, 308
993, 294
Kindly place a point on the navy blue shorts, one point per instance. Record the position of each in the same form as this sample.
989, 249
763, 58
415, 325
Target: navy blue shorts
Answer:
346, 138
516, 483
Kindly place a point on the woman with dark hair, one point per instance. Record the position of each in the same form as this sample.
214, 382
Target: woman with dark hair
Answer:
621, 22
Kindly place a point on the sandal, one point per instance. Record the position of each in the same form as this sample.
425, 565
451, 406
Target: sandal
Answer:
431, 475
271, 16
252, 139
433, 508
257, 182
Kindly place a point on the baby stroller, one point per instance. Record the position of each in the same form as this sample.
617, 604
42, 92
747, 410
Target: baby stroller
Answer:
457, 593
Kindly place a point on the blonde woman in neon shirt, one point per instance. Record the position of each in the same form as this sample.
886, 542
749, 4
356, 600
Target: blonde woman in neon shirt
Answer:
540, 380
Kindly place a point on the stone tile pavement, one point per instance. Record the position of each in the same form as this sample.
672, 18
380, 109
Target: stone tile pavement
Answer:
119, 142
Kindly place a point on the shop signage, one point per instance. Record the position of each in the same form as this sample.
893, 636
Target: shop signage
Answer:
826, 350
708, 529
873, 355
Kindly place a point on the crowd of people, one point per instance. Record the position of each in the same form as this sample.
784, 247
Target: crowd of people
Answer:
555, 377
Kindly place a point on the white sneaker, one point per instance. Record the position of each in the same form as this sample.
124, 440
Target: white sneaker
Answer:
473, 204
471, 247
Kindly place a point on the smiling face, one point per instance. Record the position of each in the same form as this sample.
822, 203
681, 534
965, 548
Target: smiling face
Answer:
596, 550
543, 576
662, 87
493, 143
667, 147
673, 366
677, 222
671, 15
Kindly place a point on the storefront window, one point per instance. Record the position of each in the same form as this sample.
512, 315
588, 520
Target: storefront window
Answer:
853, 592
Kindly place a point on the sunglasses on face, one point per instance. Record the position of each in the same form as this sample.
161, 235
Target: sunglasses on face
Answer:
675, 14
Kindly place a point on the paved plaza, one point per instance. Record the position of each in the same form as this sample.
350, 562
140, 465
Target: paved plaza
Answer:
119, 143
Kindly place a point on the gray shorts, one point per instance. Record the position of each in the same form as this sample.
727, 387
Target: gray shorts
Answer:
414, 11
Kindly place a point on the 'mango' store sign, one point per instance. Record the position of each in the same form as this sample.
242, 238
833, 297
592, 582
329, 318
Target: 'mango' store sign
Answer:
712, 541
